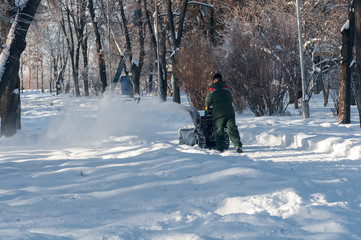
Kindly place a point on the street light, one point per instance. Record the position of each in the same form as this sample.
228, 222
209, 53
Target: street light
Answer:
305, 106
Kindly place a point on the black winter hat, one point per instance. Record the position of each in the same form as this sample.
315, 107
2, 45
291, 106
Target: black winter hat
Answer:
217, 75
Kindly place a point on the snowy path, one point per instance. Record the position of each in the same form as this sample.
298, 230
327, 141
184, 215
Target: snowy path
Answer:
80, 170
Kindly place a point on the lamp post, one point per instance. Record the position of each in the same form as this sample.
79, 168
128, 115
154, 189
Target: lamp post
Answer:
305, 106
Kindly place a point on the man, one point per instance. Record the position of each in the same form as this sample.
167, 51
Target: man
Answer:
220, 97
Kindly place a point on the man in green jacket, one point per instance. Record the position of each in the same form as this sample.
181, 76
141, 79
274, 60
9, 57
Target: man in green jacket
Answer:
220, 97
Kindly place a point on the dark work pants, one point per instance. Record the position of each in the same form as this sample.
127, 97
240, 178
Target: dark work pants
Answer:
228, 122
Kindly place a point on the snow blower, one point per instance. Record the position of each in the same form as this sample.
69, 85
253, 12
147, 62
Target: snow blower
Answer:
202, 134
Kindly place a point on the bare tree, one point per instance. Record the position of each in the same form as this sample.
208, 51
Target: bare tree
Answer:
136, 63
196, 70
58, 58
10, 63
79, 19
258, 56
176, 33
321, 26
357, 76
348, 35
161, 28
73, 26
98, 43
10, 105
85, 72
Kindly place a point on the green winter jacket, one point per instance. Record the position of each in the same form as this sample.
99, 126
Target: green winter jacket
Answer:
220, 98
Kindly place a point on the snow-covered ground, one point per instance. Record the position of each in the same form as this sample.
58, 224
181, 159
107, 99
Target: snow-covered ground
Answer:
88, 168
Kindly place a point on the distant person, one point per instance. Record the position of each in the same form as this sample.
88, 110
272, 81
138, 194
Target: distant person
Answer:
220, 97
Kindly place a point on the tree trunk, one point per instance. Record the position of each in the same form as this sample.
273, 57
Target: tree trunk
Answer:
21, 76
175, 42
136, 64
11, 109
10, 99
163, 66
162, 79
348, 35
74, 51
79, 22
137, 67
50, 78
60, 76
85, 62
212, 31
175, 85
357, 78
42, 76
10, 63
76, 70
55, 74
101, 62
29, 67
297, 92
37, 69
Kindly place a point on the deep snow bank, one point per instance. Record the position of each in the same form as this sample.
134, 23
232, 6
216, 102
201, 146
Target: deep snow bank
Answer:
319, 134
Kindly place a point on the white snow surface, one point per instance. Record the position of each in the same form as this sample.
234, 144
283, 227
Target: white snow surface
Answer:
21, 3
346, 26
111, 168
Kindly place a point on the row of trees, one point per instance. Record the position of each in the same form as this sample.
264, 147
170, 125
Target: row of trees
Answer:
78, 46
259, 55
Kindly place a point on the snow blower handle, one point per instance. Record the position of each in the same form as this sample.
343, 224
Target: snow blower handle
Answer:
208, 110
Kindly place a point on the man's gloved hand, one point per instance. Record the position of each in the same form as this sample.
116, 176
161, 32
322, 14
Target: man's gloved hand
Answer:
206, 108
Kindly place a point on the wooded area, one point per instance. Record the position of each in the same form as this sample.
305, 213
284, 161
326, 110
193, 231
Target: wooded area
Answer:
166, 47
